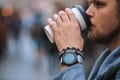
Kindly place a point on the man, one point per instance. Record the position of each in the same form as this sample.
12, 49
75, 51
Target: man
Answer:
105, 18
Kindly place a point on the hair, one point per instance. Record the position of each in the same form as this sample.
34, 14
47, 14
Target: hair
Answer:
118, 6
118, 12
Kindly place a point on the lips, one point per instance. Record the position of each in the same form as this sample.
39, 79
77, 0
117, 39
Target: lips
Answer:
91, 26
92, 23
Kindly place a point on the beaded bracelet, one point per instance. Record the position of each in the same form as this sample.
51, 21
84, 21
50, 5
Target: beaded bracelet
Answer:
76, 50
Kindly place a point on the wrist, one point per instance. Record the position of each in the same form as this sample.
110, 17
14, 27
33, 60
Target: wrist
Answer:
63, 67
76, 44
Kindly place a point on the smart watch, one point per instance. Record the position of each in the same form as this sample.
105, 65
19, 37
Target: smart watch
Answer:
70, 56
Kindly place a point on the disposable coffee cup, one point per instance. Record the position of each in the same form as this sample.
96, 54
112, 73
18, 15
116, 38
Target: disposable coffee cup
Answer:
81, 16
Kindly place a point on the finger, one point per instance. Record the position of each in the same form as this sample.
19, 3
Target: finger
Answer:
70, 14
57, 19
52, 24
64, 16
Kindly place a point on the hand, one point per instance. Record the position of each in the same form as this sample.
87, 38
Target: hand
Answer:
66, 30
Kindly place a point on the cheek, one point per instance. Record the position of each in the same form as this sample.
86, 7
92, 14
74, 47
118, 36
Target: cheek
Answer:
105, 24
103, 27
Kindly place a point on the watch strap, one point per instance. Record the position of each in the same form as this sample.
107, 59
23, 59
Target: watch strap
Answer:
72, 49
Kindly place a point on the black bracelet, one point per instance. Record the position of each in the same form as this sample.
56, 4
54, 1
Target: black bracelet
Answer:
77, 50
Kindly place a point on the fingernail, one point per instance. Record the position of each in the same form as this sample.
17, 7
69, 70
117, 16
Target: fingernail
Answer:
67, 9
61, 12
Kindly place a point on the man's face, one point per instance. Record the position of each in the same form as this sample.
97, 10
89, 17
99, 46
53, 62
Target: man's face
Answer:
103, 16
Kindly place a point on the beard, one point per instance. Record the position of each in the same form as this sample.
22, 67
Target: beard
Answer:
107, 38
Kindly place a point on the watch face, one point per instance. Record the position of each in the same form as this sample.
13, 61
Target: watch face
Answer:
69, 58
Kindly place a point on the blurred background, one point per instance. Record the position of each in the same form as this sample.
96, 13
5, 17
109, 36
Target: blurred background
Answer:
25, 51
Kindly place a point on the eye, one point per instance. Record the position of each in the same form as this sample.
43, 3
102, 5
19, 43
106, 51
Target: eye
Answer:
99, 4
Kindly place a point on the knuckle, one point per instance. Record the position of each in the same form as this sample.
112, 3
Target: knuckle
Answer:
70, 13
56, 17
52, 24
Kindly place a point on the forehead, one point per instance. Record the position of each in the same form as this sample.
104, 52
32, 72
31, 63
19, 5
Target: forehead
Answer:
100, 0
106, 1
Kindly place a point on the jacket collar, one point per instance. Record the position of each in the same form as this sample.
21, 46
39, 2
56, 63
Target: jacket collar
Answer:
105, 64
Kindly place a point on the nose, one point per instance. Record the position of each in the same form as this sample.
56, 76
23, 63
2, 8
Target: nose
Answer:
90, 11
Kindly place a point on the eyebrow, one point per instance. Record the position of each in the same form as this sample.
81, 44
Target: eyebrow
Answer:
90, 1
95, 0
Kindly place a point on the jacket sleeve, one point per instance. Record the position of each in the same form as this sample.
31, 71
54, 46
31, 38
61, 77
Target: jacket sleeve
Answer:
75, 72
